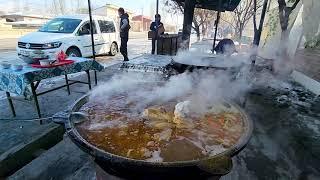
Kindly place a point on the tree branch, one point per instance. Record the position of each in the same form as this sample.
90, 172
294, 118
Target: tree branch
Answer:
228, 22
255, 15
295, 5
282, 3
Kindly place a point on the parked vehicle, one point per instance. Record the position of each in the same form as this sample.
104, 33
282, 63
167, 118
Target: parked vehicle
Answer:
70, 34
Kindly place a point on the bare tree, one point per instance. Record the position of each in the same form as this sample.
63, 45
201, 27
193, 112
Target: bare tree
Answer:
205, 18
54, 8
243, 13
258, 30
284, 14
62, 6
26, 7
202, 18
285, 11
59, 6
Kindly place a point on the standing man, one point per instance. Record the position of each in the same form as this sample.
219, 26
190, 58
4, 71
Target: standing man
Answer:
157, 28
124, 32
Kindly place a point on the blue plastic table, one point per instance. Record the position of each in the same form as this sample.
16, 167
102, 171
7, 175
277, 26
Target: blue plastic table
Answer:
25, 82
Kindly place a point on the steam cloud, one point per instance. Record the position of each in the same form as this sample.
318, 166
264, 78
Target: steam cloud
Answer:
202, 87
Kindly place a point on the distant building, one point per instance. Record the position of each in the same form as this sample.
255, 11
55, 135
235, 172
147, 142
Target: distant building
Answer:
23, 21
141, 23
111, 11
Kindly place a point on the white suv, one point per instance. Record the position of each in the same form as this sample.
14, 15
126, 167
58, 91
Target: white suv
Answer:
72, 35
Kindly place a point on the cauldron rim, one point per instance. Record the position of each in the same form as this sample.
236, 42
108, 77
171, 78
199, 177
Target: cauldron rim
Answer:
176, 62
100, 153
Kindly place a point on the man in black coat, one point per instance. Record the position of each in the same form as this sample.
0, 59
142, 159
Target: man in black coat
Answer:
157, 28
124, 32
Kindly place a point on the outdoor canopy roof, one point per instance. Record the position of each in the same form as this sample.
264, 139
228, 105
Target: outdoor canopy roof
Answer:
226, 5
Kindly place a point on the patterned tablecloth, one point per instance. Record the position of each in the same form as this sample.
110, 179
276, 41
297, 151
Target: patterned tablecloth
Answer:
18, 82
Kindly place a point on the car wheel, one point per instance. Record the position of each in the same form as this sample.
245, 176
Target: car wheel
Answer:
113, 49
73, 52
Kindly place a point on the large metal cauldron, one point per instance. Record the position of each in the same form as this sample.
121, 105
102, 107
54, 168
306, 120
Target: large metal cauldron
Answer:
215, 166
216, 63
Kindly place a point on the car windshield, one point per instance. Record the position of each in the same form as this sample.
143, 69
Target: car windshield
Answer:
61, 25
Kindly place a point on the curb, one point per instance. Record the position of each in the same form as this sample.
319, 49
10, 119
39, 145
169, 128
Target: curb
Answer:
309, 83
23, 153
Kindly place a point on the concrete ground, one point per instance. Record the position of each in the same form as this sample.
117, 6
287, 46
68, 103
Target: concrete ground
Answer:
17, 133
20, 135
8, 44
285, 143
64, 161
21, 142
307, 61
137, 45
286, 137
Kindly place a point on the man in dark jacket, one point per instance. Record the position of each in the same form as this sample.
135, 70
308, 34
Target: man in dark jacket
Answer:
124, 32
157, 28
225, 46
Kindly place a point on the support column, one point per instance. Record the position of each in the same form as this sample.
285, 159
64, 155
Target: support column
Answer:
157, 7
11, 104
216, 31
156, 41
187, 22
67, 83
257, 32
91, 30
216, 26
36, 102
89, 79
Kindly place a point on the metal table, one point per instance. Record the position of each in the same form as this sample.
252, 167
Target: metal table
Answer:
25, 83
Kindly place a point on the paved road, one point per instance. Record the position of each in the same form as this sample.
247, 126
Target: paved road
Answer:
285, 144
8, 44
136, 46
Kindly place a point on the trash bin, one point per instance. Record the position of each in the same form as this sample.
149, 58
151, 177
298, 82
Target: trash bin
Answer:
168, 44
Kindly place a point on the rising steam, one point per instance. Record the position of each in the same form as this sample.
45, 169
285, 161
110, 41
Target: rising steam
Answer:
202, 87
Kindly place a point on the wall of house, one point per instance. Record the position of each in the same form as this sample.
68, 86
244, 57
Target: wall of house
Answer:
3, 25
136, 26
33, 19
16, 31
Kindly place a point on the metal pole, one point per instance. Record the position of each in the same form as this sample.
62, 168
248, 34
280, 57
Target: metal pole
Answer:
216, 24
142, 20
187, 22
156, 41
92, 42
157, 10
11, 104
257, 35
263, 15
36, 102
91, 30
